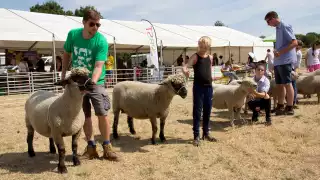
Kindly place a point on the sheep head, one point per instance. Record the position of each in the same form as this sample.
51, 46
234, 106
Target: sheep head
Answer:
177, 83
79, 78
248, 83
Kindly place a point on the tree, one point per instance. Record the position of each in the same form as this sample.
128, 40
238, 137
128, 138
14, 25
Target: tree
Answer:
219, 23
79, 12
262, 36
49, 7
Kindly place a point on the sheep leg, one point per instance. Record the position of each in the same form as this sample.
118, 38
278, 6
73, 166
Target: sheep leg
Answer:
162, 123
51, 146
75, 157
238, 115
30, 136
58, 139
154, 130
131, 125
115, 124
231, 111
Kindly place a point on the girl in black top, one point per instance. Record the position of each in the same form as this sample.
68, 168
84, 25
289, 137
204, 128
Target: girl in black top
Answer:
202, 88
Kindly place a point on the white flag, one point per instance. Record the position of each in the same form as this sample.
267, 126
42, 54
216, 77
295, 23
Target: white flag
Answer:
153, 47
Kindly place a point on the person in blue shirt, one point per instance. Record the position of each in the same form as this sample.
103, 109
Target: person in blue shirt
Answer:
259, 99
285, 56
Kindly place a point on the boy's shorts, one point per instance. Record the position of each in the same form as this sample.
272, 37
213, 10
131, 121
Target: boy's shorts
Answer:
282, 74
100, 102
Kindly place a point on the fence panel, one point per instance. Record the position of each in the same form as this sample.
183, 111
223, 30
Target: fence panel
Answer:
25, 83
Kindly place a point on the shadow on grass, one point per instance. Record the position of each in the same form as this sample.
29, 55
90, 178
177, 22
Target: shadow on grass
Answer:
20, 162
220, 125
130, 144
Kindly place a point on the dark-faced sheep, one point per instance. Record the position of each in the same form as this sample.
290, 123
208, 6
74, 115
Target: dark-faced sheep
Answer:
56, 116
146, 101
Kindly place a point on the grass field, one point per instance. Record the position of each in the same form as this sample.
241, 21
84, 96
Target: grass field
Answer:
290, 149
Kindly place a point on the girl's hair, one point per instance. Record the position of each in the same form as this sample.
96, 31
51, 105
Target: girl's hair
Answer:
316, 43
228, 63
205, 40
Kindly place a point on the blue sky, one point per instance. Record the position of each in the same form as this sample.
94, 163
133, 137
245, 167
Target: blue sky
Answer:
242, 15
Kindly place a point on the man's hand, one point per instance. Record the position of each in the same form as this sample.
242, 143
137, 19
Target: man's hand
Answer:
276, 53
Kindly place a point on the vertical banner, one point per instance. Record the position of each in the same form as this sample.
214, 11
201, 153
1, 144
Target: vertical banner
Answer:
153, 46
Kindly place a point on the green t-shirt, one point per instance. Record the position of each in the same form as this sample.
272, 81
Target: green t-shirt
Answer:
86, 52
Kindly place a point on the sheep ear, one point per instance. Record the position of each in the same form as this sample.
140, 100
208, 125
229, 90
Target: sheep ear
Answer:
239, 82
163, 83
62, 82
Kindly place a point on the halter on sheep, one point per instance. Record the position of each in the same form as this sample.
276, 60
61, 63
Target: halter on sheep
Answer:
51, 115
146, 101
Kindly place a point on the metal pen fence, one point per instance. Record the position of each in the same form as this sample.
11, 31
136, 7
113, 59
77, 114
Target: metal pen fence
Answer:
29, 82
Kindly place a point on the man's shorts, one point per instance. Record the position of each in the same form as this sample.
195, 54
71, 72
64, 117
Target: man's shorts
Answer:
100, 102
282, 74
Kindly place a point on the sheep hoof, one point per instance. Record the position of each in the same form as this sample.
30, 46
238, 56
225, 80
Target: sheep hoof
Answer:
53, 150
62, 169
153, 141
136, 137
133, 132
115, 135
31, 153
163, 139
76, 161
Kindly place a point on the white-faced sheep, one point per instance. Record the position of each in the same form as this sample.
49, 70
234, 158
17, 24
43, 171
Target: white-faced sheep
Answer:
245, 109
146, 101
232, 97
309, 85
56, 116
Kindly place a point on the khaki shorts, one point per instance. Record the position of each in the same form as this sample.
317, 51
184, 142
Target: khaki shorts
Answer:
99, 100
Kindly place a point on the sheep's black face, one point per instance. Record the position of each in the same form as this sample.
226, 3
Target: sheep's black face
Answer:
83, 82
180, 89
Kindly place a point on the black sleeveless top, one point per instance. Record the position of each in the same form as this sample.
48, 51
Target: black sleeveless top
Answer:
202, 71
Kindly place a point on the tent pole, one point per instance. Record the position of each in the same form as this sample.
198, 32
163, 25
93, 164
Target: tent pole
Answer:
115, 58
54, 56
229, 52
161, 53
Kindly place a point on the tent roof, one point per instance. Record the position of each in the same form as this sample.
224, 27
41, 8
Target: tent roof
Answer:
23, 28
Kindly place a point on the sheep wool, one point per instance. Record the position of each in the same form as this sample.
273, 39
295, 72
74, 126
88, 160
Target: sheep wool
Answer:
146, 101
56, 116
232, 97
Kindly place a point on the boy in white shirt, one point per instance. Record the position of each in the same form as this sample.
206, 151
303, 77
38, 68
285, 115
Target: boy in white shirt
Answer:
270, 57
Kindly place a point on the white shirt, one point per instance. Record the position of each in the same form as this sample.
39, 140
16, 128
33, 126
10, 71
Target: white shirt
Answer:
299, 57
313, 60
23, 66
270, 57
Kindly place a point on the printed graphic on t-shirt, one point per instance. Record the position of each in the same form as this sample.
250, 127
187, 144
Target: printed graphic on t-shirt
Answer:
83, 57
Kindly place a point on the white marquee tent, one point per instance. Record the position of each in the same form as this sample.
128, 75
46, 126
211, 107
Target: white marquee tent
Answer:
37, 31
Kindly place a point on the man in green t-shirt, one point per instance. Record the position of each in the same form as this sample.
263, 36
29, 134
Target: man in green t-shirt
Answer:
89, 48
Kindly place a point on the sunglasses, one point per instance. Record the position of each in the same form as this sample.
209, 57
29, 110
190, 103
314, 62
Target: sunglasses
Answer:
94, 24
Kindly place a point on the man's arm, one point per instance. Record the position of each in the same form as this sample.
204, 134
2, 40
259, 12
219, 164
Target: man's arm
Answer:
97, 71
294, 43
66, 55
65, 64
100, 60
